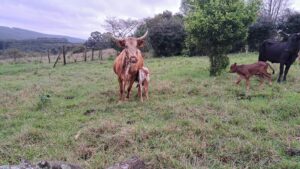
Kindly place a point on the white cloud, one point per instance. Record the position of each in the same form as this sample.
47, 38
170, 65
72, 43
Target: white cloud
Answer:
295, 4
76, 17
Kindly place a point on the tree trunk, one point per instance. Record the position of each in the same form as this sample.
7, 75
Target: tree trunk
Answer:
218, 62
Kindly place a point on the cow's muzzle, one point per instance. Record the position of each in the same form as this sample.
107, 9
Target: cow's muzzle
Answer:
133, 59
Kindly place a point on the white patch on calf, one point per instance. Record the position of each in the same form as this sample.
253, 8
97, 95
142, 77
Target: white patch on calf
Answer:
144, 75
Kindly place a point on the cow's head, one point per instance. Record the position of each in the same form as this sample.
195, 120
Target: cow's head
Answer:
291, 38
233, 68
294, 42
295, 37
130, 45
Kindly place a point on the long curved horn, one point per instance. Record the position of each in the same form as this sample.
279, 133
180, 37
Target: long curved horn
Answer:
283, 33
115, 38
144, 36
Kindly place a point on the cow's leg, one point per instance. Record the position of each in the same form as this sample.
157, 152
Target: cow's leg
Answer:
261, 79
141, 91
286, 70
146, 85
269, 78
280, 72
129, 88
238, 80
247, 84
121, 89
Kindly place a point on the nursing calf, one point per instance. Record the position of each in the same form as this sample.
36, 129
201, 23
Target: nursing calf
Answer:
143, 82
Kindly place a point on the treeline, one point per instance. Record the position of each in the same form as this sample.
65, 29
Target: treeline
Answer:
168, 35
266, 28
34, 45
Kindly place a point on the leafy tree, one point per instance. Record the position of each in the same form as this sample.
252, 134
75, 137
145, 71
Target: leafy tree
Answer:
14, 53
166, 33
273, 9
186, 6
291, 22
258, 32
78, 49
121, 27
99, 41
215, 26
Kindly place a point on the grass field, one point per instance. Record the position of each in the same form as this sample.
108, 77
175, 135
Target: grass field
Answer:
190, 121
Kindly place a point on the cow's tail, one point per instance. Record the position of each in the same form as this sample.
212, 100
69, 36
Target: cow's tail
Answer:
271, 67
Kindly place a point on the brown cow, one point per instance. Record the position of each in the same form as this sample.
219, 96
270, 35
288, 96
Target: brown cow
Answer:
128, 62
246, 71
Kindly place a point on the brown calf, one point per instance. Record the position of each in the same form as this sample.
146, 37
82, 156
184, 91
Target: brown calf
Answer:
143, 82
247, 71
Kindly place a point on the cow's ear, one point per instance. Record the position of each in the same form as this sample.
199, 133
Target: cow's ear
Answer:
121, 43
140, 43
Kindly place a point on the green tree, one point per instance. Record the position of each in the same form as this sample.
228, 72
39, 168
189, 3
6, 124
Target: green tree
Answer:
14, 53
258, 32
216, 25
166, 33
291, 23
99, 41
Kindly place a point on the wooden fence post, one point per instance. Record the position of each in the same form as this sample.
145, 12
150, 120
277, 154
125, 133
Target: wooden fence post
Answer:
100, 54
85, 54
64, 55
92, 54
48, 54
57, 59
41, 59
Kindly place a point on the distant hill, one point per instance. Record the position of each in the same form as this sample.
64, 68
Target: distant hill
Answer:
7, 33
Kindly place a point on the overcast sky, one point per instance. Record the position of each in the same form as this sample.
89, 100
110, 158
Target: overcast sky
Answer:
78, 18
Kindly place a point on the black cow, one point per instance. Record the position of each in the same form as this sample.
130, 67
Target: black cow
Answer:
284, 53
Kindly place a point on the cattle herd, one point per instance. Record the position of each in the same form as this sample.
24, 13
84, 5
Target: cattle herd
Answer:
129, 64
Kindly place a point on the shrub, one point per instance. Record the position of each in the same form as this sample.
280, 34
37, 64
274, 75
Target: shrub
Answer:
215, 26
